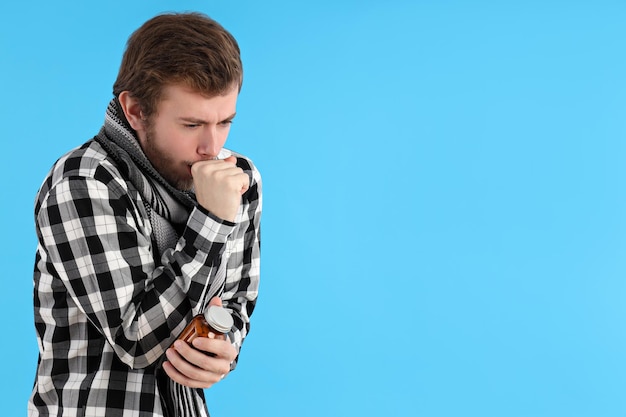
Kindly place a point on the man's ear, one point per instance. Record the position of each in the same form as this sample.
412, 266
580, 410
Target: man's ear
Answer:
132, 111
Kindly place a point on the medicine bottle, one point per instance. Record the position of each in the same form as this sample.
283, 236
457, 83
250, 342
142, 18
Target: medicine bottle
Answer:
215, 323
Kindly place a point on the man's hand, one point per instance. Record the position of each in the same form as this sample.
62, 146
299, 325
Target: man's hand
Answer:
219, 185
193, 367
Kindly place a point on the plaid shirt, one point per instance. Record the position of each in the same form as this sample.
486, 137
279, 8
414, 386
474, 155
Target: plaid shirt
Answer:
104, 311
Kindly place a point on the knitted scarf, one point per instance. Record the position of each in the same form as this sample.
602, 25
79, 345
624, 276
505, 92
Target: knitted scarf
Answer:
168, 210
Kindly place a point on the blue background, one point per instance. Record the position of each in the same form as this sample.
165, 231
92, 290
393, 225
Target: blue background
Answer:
445, 217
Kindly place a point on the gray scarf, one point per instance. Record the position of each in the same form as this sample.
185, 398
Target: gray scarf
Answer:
168, 210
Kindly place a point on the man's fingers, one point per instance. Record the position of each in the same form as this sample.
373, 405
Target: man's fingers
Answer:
176, 376
181, 368
221, 348
215, 301
212, 355
244, 181
214, 165
173, 369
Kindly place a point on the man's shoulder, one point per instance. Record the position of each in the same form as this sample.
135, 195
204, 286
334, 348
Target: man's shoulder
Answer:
88, 161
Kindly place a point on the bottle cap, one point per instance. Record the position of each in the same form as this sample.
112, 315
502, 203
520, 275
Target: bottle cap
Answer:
219, 318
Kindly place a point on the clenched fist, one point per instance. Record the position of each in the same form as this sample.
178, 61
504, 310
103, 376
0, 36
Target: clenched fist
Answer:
219, 185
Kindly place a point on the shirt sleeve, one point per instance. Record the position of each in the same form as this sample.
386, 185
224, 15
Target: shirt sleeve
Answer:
94, 238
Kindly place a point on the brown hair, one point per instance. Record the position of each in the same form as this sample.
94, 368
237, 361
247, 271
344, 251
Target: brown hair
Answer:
190, 49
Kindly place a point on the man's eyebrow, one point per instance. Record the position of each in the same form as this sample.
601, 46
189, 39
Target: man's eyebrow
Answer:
231, 117
195, 120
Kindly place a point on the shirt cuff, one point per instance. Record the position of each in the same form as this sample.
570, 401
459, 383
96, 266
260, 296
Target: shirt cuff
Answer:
204, 229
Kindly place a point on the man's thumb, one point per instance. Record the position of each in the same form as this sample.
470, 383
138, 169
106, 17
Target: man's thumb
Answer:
215, 301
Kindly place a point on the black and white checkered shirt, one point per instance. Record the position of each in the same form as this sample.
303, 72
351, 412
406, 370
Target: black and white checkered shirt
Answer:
105, 311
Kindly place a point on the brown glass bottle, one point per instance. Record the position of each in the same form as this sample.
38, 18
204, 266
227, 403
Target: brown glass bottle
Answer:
215, 323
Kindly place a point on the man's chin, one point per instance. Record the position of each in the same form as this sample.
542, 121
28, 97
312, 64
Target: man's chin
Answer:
180, 184
184, 185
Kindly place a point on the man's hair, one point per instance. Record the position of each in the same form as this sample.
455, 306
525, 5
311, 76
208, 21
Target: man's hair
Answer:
188, 49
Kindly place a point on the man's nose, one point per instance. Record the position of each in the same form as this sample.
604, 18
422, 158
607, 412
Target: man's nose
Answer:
208, 144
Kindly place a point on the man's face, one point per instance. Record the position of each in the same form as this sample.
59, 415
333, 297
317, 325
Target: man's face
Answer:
186, 128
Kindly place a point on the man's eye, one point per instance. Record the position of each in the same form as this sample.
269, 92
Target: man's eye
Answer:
191, 125
226, 122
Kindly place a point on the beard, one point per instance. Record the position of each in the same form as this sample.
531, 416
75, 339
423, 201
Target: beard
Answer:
177, 174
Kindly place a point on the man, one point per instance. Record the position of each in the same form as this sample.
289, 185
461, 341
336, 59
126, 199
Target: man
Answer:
143, 227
